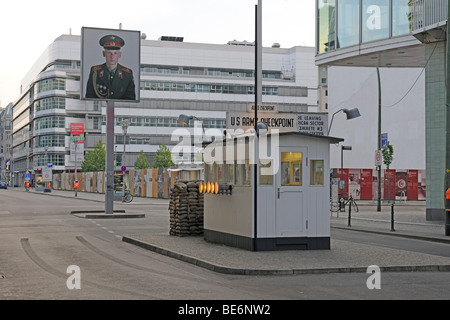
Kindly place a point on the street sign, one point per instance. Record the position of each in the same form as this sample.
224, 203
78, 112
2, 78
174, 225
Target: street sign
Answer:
378, 158
384, 140
47, 175
123, 168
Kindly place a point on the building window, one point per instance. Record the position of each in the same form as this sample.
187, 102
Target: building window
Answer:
205, 88
348, 23
316, 174
265, 172
375, 20
50, 122
400, 17
50, 141
291, 168
326, 22
51, 84
50, 103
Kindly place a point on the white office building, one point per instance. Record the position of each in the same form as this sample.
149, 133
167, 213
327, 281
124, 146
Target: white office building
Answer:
206, 81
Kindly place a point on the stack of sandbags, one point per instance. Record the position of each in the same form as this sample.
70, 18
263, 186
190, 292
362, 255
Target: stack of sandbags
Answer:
186, 209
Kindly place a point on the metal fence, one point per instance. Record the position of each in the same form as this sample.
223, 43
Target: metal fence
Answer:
427, 13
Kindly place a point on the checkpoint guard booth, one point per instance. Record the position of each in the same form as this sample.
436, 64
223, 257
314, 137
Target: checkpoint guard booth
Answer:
290, 209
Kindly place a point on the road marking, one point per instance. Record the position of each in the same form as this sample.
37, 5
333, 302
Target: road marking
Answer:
5, 212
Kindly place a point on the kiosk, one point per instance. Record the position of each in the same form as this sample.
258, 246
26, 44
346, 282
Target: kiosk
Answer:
292, 208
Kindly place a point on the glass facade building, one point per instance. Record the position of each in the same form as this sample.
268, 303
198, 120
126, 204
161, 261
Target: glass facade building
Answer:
390, 34
345, 23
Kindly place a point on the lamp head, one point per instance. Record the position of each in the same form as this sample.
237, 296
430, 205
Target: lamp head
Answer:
352, 113
184, 119
262, 126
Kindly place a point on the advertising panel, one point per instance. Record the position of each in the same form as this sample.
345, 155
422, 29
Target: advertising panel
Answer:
110, 64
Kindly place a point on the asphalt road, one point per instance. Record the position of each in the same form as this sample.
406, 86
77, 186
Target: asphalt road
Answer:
41, 243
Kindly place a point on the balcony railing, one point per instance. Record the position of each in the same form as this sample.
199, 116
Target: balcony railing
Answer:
427, 13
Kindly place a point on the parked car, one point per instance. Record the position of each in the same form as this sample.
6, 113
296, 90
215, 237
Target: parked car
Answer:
3, 185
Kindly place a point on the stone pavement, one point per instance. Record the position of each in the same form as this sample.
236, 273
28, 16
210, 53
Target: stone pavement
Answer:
344, 256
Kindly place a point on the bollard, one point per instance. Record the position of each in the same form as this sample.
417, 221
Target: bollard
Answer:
447, 212
392, 217
349, 214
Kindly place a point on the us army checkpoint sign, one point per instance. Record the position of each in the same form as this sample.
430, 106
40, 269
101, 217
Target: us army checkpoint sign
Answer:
110, 64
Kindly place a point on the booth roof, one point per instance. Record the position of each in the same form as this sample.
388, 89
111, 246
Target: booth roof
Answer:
331, 139
303, 134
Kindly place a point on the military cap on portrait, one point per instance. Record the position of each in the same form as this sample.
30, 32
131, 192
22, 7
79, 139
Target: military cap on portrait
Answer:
111, 42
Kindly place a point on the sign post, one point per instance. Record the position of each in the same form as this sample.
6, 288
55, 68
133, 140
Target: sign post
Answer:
77, 133
110, 71
378, 158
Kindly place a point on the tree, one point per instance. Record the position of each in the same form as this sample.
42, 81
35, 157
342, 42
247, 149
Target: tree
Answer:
163, 157
94, 160
388, 155
141, 161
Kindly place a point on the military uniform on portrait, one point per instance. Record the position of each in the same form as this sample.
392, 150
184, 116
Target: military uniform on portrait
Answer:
117, 83
103, 84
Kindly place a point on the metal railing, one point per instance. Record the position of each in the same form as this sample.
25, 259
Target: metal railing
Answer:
426, 13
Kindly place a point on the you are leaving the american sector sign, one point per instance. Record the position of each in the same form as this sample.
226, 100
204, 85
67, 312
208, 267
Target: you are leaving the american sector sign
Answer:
312, 123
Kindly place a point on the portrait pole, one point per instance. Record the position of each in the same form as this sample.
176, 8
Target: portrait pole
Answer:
109, 165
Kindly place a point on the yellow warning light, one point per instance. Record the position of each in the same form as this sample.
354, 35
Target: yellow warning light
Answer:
200, 187
216, 188
208, 187
212, 187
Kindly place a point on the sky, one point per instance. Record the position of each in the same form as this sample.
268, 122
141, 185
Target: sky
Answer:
28, 27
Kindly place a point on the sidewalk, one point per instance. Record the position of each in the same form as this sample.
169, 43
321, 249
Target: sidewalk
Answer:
344, 256
409, 220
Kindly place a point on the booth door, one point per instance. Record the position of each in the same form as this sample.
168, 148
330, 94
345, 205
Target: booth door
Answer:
291, 179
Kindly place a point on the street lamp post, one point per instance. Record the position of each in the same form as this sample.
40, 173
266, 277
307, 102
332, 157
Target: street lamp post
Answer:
351, 114
341, 180
379, 142
125, 124
46, 166
75, 178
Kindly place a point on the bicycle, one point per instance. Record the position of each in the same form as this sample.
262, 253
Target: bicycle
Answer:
127, 197
350, 201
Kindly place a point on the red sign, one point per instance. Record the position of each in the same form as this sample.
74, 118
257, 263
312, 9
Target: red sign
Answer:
76, 128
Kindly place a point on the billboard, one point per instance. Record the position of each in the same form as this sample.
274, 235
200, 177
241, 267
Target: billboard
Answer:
77, 142
110, 64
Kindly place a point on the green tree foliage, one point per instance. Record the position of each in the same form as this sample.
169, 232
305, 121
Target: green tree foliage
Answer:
163, 157
94, 160
141, 161
388, 155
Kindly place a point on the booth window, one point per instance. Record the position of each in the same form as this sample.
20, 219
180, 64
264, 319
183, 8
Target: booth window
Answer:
291, 168
230, 173
316, 174
209, 172
265, 172
220, 174
247, 173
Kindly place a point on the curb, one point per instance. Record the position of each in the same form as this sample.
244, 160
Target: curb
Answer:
393, 233
241, 271
100, 214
